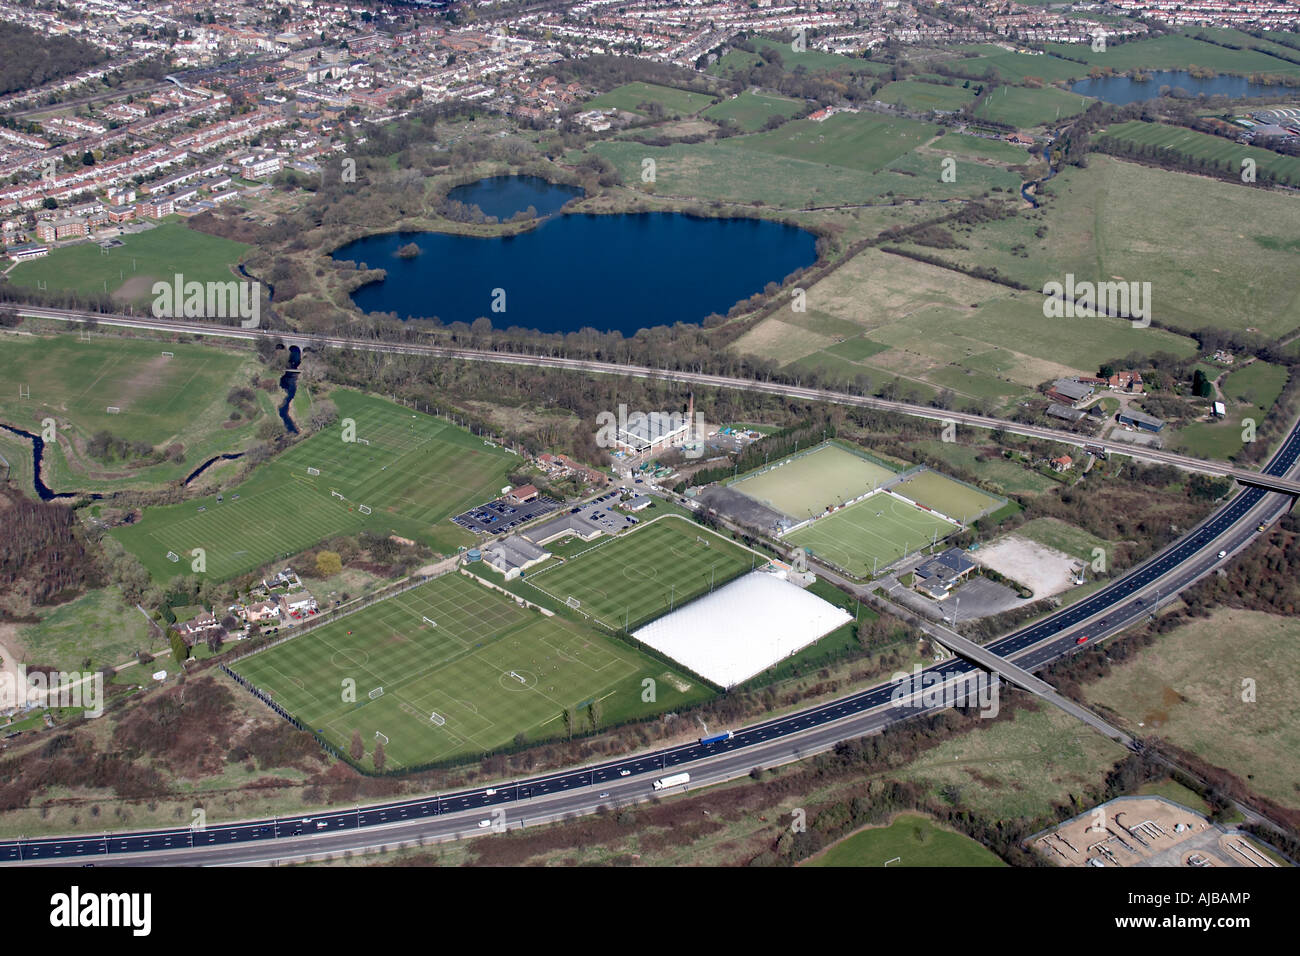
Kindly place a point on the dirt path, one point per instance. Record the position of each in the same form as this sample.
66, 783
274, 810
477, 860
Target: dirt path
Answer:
11, 675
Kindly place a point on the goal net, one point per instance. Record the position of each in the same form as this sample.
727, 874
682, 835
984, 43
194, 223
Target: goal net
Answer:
437, 718
338, 495
573, 602
381, 738
313, 471
363, 441
364, 509
113, 410
173, 557
700, 540
429, 621
377, 692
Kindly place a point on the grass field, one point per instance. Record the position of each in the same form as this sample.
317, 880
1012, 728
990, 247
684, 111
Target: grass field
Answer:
977, 58
163, 400
945, 329
1066, 538
632, 97
416, 472
862, 141
1171, 52
751, 110
1117, 219
129, 271
925, 96
461, 670
1187, 688
945, 495
910, 840
871, 534
1187, 142
806, 484
1025, 107
814, 61
645, 572
98, 626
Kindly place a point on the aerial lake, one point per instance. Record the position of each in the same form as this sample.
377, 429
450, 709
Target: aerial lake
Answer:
503, 196
620, 272
1122, 90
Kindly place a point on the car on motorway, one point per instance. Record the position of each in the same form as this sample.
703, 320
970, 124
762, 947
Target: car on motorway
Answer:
484, 824
1223, 554
603, 795
1260, 528
1081, 639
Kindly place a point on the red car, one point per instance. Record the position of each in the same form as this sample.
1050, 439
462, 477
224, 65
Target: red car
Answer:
1081, 640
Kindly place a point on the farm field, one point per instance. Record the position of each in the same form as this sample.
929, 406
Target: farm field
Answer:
164, 400
916, 95
1009, 477
806, 484
128, 272
631, 97
415, 472
1187, 688
462, 669
1216, 149
977, 147
751, 110
942, 328
871, 534
1025, 107
950, 497
911, 840
1166, 223
645, 572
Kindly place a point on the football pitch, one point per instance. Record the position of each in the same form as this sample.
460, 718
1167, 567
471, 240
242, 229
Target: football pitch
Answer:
410, 470
950, 497
807, 484
643, 573
871, 534
487, 668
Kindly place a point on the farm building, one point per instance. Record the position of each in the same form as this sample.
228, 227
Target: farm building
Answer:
1069, 392
1140, 420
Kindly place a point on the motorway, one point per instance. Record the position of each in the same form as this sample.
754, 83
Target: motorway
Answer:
571, 792
1275, 482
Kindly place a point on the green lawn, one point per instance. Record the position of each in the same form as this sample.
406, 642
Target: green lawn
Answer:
1024, 107
871, 535
142, 259
862, 141
814, 61
976, 59
163, 400
807, 483
1250, 392
643, 573
751, 110
925, 96
911, 840
415, 472
947, 496
491, 669
1171, 52
633, 97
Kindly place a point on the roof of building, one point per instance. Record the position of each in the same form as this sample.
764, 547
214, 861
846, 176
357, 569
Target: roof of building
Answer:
1064, 411
1072, 390
1141, 418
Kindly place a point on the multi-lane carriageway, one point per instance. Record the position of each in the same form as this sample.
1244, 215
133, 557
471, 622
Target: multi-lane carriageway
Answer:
573, 791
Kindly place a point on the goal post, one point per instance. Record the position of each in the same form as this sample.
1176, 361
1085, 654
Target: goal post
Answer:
169, 355
381, 738
429, 621
113, 410
376, 693
573, 602
313, 471
437, 719
364, 509
700, 539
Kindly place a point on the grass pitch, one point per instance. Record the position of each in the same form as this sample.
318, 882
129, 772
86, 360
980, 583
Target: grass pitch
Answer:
871, 534
489, 668
911, 841
806, 484
950, 497
644, 573
416, 471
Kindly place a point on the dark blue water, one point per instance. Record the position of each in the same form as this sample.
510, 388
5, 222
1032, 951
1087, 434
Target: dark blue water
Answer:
621, 272
1121, 90
43, 491
289, 382
503, 196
